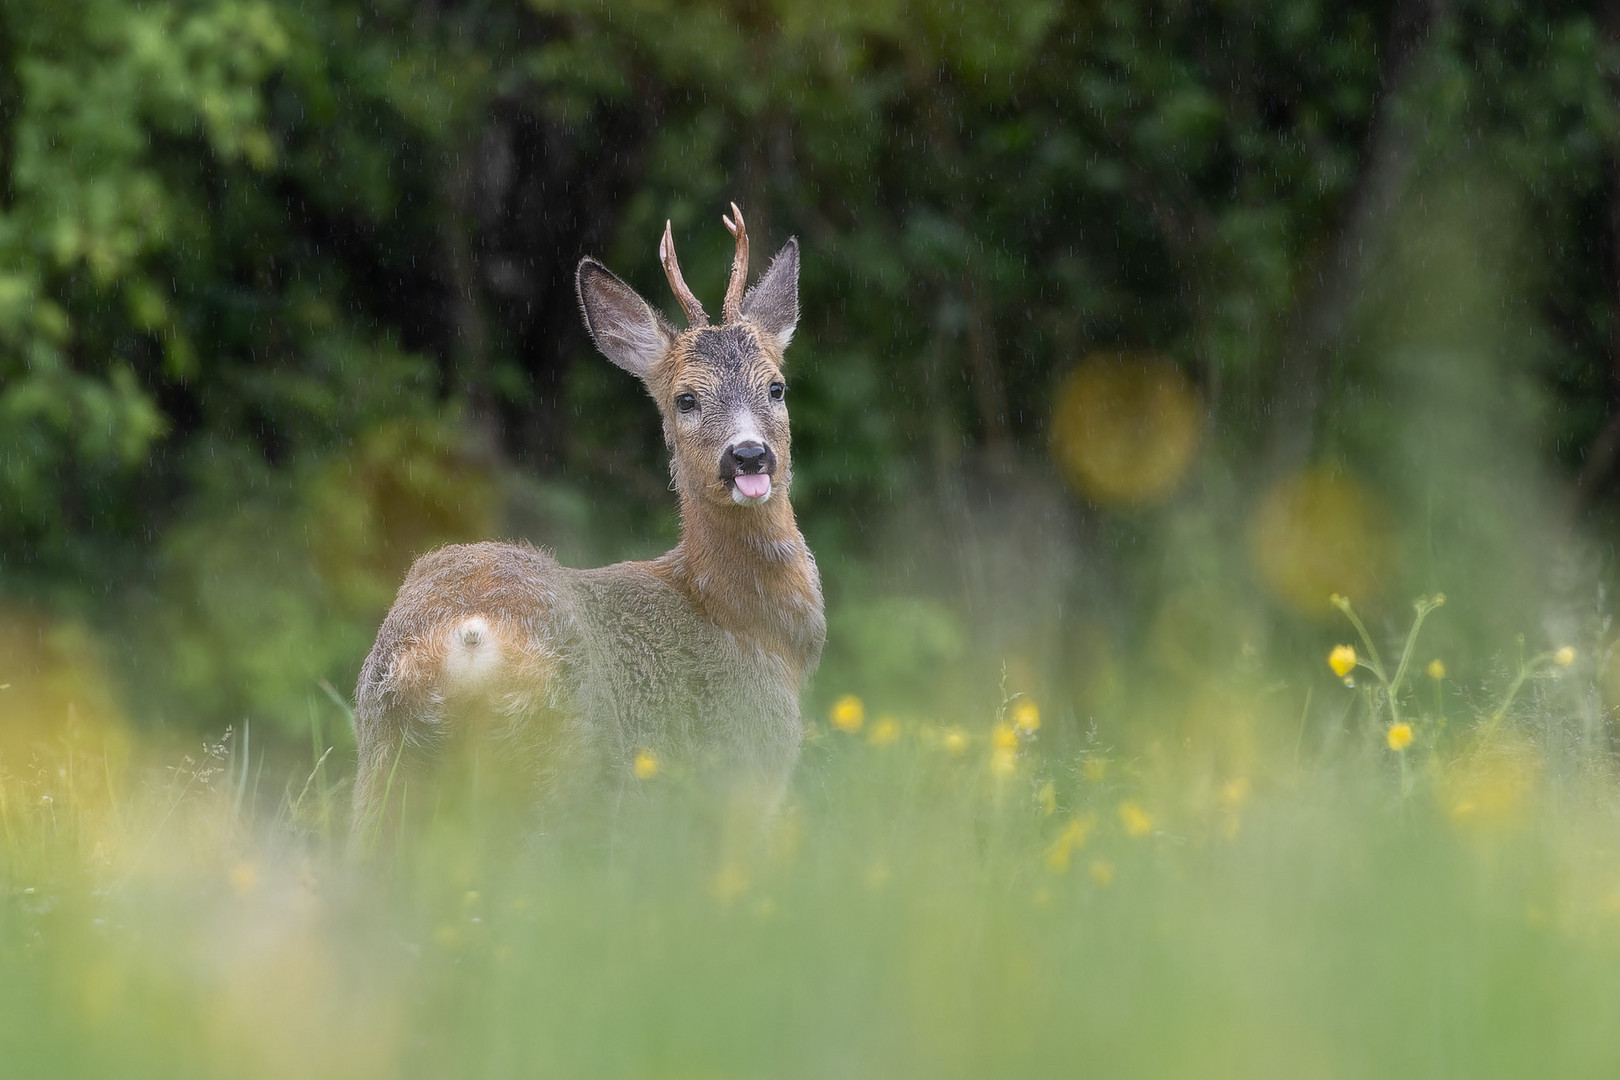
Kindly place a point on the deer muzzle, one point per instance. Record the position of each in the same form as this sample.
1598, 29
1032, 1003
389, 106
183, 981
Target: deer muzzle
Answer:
746, 468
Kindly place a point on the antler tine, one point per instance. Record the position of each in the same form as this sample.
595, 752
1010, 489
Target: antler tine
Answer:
695, 315
739, 265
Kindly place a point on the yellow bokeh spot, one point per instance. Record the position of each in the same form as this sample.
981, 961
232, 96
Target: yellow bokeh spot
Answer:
1047, 798
244, 875
729, 883
1126, 428
1436, 669
1026, 716
1071, 839
645, 765
1102, 872
1135, 820
1003, 761
955, 741
885, 731
1399, 736
1004, 737
1235, 793
1317, 533
1488, 786
848, 713
1564, 657
1342, 660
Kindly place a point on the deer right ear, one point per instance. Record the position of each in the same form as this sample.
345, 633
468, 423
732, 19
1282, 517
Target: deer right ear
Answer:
773, 302
627, 329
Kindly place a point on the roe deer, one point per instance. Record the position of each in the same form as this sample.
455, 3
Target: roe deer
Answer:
698, 655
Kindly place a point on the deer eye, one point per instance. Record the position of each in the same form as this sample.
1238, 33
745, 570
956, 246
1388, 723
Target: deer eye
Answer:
685, 402
778, 390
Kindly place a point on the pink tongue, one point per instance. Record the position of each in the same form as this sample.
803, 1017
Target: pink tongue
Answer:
753, 485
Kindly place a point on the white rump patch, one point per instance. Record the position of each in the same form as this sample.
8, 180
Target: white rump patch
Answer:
472, 657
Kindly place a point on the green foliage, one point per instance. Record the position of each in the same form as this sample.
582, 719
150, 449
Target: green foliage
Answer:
240, 240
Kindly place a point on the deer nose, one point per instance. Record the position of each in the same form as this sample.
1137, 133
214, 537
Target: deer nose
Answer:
748, 457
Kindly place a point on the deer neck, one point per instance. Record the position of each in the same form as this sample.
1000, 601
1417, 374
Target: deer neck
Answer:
749, 571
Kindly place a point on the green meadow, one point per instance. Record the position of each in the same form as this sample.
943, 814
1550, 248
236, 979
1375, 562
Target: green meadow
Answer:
1206, 419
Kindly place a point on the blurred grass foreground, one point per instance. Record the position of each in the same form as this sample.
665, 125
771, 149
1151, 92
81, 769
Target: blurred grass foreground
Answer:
1206, 419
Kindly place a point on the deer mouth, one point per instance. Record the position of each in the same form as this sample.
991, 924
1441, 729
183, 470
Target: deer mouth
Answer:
750, 487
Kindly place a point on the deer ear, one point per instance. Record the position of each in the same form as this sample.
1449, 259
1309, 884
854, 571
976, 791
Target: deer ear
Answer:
627, 329
773, 302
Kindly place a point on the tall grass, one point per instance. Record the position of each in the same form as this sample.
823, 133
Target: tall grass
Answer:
963, 896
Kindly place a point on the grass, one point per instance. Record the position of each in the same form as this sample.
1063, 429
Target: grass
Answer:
935, 901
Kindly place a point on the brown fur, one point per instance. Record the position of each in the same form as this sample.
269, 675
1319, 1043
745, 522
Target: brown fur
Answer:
697, 656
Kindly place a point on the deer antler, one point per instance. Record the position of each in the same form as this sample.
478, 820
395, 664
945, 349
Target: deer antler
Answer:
739, 265
695, 315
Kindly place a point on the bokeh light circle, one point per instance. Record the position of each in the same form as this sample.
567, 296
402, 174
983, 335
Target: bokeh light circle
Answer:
1126, 427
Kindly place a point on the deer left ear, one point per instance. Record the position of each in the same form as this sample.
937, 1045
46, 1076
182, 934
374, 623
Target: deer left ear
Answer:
773, 303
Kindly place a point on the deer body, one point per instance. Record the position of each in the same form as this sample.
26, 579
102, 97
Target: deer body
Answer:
698, 655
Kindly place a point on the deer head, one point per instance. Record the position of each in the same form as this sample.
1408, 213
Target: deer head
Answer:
719, 389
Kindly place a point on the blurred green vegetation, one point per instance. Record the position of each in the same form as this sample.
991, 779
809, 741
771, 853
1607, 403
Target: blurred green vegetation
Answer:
1131, 330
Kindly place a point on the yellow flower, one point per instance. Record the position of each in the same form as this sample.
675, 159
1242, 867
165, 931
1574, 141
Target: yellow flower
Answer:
1102, 872
1003, 762
1436, 669
1137, 821
1342, 660
848, 713
1026, 716
884, 732
1399, 736
955, 740
1003, 737
1564, 657
645, 765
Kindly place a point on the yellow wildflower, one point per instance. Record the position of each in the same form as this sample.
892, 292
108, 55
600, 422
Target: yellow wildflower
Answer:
1399, 736
1564, 657
955, 740
1003, 763
848, 713
645, 765
1026, 716
1003, 737
1342, 660
1102, 872
884, 731
1436, 669
1137, 821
